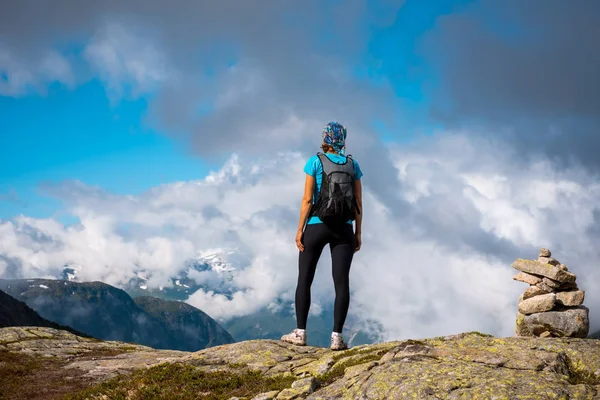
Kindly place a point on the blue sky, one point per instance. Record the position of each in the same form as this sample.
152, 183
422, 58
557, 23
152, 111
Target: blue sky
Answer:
76, 132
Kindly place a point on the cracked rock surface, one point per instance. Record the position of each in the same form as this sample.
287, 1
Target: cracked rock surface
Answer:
463, 366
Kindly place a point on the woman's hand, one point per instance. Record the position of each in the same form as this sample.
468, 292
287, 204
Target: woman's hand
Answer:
358, 239
299, 240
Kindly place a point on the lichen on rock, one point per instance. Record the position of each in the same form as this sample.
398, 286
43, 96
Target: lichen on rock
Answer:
552, 305
465, 365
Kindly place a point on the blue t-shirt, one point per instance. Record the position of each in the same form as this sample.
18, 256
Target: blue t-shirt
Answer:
314, 168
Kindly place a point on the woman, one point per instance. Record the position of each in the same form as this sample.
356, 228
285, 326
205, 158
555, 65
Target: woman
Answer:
343, 241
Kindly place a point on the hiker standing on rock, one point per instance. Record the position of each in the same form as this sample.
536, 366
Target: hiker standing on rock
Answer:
332, 200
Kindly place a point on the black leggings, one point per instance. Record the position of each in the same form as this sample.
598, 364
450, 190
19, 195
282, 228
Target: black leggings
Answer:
341, 242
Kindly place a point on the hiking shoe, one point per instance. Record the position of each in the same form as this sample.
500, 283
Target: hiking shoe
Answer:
337, 343
295, 337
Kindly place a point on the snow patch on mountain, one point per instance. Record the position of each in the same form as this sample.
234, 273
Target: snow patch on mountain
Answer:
210, 268
70, 272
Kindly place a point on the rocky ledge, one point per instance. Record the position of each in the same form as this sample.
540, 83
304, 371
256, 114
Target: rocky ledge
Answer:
38, 363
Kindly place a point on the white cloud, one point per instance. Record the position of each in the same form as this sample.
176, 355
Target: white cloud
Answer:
432, 269
19, 77
127, 61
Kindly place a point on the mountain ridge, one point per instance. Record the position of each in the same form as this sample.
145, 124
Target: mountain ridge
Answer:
109, 313
16, 313
197, 329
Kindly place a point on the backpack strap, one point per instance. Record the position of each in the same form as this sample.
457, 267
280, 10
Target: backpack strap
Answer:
332, 164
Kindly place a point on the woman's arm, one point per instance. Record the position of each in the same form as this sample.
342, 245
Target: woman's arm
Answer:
358, 214
309, 185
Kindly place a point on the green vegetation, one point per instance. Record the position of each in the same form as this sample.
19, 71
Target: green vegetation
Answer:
24, 377
14, 371
479, 334
182, 381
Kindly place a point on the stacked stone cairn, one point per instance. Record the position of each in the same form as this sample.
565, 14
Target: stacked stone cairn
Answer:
552, 305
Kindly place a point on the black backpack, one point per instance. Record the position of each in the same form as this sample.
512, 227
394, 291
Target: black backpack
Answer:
336, 202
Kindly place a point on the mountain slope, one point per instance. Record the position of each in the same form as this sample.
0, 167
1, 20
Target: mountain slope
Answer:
95, 308
195, 328
99, 310
16, 313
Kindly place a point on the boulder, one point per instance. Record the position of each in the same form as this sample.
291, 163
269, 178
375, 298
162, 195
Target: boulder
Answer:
545, 252
563, 267
572, 322
568, 286
549, 260
521, 328
570, 298
547, 270
527, 278
551, 283
542, 285
537, 304
532, 291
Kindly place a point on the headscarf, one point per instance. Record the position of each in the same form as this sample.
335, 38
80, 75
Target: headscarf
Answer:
334, 134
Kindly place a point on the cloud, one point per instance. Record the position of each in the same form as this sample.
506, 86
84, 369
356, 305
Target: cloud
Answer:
514, 170
527, 70
270, 64
440, 266
124, 59
19, 77
239, 76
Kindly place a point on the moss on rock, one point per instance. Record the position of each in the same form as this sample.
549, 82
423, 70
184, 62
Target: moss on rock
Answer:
471, 365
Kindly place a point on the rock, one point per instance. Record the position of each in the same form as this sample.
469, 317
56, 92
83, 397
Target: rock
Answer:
542, 285
316, 367
570, 298
307, 385
545, 252
549, 260
563, 267
537, 304
467, 365
81, 353
566, 323
547, 270
355, 370
568, 286
266, 396
545, 334
527, 278
551, 283
532, 291
520, 328
289, 394
474, 367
